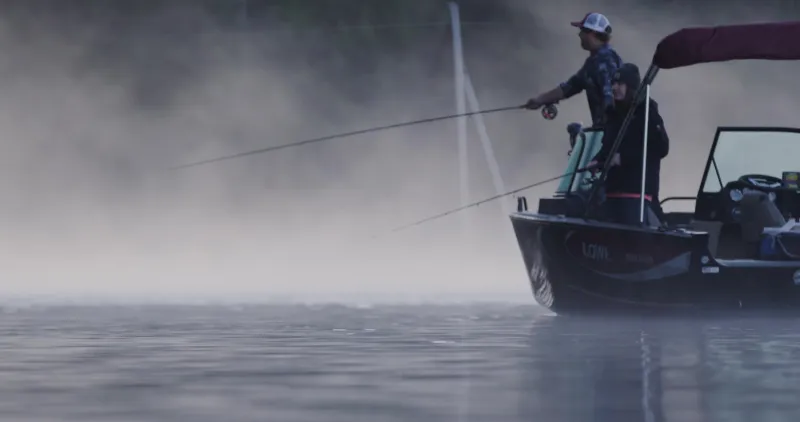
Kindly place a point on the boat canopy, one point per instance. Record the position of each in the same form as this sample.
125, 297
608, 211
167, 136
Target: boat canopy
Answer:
758, 41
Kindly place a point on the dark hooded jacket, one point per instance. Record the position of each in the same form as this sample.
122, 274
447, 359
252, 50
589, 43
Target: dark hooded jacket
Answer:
627, 177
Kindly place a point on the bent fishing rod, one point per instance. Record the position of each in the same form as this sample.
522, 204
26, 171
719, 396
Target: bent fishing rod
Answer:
549, 112
490, 199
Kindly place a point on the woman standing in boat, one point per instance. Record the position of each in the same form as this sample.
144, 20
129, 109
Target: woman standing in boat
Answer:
623, 184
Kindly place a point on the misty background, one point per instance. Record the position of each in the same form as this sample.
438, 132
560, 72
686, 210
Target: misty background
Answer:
98, 99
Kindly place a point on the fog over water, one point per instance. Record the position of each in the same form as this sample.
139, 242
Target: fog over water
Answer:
92, 113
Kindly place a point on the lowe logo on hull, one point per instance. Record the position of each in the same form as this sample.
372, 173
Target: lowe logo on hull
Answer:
596, 252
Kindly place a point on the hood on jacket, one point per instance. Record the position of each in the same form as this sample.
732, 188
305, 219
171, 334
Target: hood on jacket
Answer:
628, 74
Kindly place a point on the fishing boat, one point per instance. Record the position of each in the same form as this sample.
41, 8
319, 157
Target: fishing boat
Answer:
739, 250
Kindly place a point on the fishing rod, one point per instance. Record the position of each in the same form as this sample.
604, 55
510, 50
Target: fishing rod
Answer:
549, 112
498, 196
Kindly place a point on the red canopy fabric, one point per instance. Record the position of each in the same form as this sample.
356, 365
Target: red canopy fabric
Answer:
760, 41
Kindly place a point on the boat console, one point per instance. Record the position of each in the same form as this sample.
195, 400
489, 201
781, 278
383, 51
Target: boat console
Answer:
584, 143
749, 191
785, 200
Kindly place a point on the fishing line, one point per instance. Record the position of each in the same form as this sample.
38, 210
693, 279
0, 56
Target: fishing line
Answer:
345, 135
483, 201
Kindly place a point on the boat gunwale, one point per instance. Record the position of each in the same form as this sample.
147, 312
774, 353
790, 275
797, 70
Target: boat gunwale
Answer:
562, 219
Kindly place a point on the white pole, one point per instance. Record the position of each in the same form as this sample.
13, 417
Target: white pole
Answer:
644, 151
463, 174
461, 107
488, 151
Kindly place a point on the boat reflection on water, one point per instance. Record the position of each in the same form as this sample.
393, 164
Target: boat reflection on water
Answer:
581, 369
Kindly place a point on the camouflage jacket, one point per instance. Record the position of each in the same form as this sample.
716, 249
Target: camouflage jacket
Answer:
595, 78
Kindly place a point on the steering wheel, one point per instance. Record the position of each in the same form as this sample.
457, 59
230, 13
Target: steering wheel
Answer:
762, 182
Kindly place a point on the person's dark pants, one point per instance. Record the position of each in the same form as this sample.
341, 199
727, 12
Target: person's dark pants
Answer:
626, 210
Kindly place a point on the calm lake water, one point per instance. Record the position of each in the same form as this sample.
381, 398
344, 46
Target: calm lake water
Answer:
389, 363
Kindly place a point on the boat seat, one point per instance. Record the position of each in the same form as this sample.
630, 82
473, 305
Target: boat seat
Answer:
758, 213
713, 228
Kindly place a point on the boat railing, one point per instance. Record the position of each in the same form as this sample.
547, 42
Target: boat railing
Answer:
678, 198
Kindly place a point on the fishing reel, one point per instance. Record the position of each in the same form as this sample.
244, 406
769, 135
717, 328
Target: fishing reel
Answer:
550, 111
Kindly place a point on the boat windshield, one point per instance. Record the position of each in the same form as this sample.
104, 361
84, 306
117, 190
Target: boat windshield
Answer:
581, 155
740, 151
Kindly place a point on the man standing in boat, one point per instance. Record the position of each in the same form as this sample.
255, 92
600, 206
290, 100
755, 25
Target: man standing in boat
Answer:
595, 75
623, 185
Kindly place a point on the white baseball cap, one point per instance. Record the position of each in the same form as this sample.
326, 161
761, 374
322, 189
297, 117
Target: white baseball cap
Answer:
596, 22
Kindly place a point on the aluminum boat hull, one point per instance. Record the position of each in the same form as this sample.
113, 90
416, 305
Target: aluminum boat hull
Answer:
577, 266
